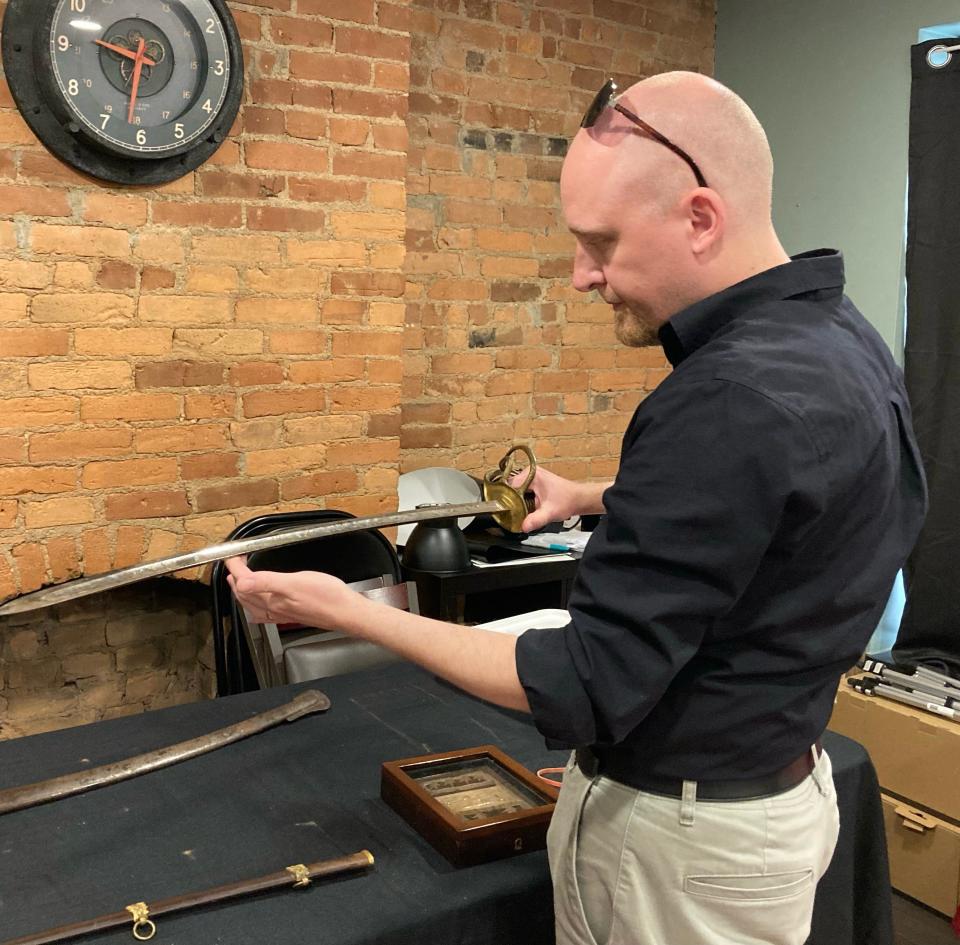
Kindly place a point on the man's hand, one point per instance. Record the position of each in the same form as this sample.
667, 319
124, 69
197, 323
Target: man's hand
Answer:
480, 661
558, 499
305, 597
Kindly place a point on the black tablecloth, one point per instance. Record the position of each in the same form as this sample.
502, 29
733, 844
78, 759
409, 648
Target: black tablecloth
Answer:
309, 790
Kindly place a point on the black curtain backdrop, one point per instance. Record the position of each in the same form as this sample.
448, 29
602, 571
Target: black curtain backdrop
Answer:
930, 631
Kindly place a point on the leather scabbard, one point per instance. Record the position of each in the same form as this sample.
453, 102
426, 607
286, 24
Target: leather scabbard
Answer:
140, 915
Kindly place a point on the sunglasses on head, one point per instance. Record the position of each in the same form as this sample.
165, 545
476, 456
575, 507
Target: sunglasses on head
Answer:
607, 98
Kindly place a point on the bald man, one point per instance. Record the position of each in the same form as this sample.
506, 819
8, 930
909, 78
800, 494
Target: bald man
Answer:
768, 492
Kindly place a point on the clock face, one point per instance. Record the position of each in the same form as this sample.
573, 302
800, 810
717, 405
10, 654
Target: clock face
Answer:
130, 91
142, 76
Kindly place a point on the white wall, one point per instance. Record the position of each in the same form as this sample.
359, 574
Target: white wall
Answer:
830, 81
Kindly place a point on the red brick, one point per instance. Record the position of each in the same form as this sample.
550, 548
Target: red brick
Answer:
327, 191
374, 343
370, 164
33, 342
295, 31
317, 485
329, 67
250, 186
149, 471
134, 505
37, 201
367, 283
63, 555
178, 374
279, 402
64, 447
262, 121
372, 43
309, 125
359, 11
156, 278
207, 215
29, 563
373, 104
285, 219
114, 274
209, 466
275, 155
256, 374
238, 495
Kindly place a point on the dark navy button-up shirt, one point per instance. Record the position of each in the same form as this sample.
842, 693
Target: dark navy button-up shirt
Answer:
768, 492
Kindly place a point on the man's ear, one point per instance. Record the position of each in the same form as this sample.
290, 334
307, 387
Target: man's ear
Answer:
706, 215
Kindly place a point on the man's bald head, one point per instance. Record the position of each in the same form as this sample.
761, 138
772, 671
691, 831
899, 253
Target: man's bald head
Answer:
711, 123
670, 241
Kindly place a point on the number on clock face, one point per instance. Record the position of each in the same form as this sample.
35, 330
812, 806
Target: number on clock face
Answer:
142, 77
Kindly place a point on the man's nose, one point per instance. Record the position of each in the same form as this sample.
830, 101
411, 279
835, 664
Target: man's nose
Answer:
587, 275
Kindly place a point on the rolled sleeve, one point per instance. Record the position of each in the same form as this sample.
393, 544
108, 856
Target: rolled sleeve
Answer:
558, 701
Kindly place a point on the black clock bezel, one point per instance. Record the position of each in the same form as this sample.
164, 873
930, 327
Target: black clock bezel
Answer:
29, 72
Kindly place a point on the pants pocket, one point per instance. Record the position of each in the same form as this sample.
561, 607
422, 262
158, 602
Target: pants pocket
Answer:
755, 887
562, 842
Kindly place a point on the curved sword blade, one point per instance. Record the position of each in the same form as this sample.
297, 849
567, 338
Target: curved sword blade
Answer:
85, 586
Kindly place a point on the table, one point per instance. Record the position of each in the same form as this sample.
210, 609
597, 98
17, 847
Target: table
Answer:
478, 594
309, 790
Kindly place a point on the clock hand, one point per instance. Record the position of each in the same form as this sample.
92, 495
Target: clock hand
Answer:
137, 69
123, 52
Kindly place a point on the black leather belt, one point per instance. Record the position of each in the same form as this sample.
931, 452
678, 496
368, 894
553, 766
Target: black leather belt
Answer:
741, 789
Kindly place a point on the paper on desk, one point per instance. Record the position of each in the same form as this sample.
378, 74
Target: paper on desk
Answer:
533, 559
571, 541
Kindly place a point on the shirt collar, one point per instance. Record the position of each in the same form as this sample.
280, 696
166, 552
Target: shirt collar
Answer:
695, 325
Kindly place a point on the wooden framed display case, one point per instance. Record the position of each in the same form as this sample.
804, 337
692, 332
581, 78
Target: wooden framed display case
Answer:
473, 805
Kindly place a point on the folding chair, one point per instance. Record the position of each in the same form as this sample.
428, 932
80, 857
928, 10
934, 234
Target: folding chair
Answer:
287, 653
247, 655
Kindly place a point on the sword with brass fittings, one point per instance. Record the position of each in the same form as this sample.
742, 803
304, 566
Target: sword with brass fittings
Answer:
504, 502
85, 586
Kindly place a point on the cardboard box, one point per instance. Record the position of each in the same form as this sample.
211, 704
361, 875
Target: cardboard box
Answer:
924, 855
916, 753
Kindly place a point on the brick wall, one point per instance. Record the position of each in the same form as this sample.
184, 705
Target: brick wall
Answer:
118, 654
498, 347
176, 360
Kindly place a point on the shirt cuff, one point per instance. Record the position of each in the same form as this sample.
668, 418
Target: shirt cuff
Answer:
561, 709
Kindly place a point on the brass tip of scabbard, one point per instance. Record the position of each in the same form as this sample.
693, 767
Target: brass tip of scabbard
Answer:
368, 855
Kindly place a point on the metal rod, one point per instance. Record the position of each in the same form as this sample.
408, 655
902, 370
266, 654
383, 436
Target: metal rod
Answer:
940, 48
85, 586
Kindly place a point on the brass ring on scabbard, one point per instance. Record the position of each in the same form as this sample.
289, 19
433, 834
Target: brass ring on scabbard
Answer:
144, 928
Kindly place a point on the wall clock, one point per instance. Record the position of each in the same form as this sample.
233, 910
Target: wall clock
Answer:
129, 91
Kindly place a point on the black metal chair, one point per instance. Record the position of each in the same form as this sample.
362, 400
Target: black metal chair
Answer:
250, 656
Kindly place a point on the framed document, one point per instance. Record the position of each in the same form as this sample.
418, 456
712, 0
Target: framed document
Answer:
473, 805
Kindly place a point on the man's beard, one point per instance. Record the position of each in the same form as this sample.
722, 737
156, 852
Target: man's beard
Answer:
632, 329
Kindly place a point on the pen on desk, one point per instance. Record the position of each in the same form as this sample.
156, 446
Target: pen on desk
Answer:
558, 547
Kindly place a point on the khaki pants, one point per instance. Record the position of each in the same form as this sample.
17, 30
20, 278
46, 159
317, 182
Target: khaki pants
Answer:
632, 868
